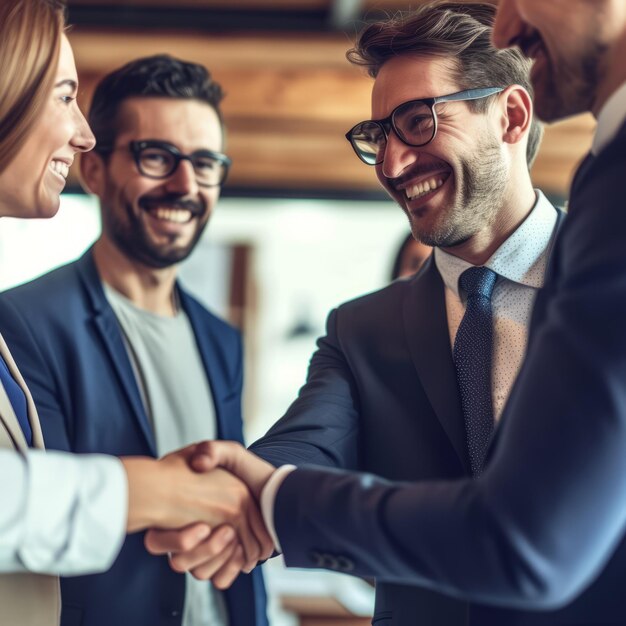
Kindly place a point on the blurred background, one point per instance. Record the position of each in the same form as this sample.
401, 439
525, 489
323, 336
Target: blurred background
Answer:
302, 224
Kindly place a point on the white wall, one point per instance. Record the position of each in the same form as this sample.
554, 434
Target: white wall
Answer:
309, 256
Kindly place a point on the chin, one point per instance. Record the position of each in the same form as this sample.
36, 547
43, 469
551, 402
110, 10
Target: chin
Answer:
48, 208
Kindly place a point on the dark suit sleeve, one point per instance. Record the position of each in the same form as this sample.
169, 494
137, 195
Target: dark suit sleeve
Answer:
550, 508
321, 426
37, 368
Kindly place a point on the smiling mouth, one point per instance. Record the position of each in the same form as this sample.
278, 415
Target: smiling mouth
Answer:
60, 167
176, 216
426, 185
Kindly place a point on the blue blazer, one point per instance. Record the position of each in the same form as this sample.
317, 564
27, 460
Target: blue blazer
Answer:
67, 342
381, 397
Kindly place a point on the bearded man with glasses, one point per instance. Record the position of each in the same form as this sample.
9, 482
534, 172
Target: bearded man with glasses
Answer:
122, 360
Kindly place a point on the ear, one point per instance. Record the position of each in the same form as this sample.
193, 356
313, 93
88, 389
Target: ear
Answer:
92, 172
517, 114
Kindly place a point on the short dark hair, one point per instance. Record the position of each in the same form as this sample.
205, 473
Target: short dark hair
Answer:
454, 30
158, 76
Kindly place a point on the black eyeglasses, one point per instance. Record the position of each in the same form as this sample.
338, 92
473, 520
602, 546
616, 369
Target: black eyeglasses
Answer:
414, 122
160, 159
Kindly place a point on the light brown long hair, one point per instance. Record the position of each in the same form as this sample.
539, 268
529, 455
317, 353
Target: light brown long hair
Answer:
30, 38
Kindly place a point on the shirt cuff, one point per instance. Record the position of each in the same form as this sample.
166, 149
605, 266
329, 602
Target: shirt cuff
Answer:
76, 512
268, 497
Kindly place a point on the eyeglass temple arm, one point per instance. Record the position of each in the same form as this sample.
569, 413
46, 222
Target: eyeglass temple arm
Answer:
470, 94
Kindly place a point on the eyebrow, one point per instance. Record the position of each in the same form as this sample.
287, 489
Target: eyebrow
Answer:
68, 81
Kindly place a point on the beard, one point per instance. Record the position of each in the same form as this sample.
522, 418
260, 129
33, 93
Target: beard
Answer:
128, 232
477, 201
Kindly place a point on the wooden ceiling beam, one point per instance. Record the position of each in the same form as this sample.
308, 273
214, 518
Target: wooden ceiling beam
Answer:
290, 99
103, 50
242, 5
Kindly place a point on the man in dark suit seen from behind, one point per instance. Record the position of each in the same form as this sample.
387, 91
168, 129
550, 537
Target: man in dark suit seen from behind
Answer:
543, 526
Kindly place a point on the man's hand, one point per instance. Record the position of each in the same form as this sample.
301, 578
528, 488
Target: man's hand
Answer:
213, 557
232, 456
168, 494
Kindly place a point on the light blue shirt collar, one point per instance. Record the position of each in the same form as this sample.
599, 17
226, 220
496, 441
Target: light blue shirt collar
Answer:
522, 258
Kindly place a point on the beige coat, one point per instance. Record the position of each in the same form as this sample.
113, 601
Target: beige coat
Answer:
25, 599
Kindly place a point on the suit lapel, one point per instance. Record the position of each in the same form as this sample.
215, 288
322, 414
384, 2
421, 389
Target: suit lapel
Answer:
426, 326
110, 333
582, 171
541, 302
6, 408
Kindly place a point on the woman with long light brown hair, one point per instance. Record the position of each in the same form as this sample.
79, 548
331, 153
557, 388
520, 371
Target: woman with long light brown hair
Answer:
59, 513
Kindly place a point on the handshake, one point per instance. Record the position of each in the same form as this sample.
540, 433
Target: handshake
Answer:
202, 506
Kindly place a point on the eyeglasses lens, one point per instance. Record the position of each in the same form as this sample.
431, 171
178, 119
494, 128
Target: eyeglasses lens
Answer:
161, 163
414, 122
369, 140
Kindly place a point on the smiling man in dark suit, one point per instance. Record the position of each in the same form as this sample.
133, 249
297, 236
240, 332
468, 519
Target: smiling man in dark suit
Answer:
122, 360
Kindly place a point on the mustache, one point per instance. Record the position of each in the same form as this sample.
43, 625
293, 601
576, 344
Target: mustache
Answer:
415, 172
173, 201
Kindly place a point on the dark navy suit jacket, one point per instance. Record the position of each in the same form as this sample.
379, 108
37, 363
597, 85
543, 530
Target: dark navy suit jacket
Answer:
67, 342
381, 397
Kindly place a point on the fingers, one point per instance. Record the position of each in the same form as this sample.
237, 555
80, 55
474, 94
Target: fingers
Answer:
266, 544
253, 535
252, 547
234, 458
181, 540
228, 572
210, 454
210, 555
208, 570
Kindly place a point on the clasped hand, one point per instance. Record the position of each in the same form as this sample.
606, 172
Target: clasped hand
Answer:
208, 519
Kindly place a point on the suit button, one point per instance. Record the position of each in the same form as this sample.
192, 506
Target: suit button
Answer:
345, 564
317, 558
175, 613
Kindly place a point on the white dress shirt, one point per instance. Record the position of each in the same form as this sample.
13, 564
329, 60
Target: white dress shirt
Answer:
520, 263
610, 120
61, 513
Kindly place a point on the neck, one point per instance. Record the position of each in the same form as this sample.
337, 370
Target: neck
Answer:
515, 208
146, 287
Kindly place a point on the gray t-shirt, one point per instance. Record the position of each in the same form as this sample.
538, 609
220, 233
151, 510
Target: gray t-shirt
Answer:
177, 397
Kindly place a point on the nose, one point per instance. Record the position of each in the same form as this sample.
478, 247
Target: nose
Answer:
508, 24
183, 179
398, 157
82, 139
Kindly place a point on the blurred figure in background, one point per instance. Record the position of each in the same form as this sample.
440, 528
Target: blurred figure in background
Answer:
410, 257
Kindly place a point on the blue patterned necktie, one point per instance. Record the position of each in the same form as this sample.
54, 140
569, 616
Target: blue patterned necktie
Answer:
472, 360
17, 399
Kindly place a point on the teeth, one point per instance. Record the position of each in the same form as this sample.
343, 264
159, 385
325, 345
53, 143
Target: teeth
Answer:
423, 187
180, 216
60, 168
